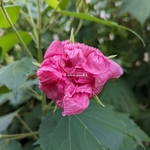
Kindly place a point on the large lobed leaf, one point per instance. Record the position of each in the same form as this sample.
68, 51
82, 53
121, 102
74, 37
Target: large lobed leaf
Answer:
119, 94
137, 8
97, 128
14, 75
6, 144
13, 12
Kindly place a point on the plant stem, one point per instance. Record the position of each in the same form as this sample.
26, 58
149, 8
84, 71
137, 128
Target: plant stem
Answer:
32, 94
44, 104
40, 55
13, 27
78, 28
25, 125
30, 21
18, 135
29, 11
47, 24
49, 106
33, 91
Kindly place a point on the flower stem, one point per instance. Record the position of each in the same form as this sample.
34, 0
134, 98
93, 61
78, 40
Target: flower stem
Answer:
26, 126
13, 27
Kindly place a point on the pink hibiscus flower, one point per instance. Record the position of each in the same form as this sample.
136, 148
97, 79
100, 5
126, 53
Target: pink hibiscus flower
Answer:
71, 73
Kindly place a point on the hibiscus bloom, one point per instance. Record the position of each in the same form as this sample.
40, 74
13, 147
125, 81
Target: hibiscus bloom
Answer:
71, 73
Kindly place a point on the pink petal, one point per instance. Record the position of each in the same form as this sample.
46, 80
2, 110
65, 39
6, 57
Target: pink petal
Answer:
54, 91
49, 75
75, 104
96, 63
56, 48
114, 71
76, 57
76, 99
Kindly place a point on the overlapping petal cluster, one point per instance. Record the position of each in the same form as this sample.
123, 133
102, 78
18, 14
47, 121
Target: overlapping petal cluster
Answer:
71, 73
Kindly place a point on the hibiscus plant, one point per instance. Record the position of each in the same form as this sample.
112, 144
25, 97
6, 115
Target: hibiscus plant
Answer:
69, 77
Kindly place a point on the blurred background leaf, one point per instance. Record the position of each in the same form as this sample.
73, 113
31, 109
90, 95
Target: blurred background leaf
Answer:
138, 9
6, 144
8, 39
15, 74
13, 12
6, 120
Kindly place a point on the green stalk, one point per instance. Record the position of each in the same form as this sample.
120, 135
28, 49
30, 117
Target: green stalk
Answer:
26, 126
33, 91
78, 28
44, 104
13, 27
29, 11
47, 24
40, 55
30, 21
18, 135
33, 95
49, 106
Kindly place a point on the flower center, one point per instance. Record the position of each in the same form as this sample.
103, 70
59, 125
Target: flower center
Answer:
68, 64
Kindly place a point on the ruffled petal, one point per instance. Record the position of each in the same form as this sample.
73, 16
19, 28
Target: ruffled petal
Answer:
76, 99
56, 48
96, 64
54, 91
75, 104
114, 71
49, 75
76, 57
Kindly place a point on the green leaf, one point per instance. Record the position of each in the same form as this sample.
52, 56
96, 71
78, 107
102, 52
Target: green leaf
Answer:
3, 89
23, 95
98, 20
37, 148
63, 4
139, 10
13, 12
97, 128
6, 120
8, 39
53, 4
4, 98
119, 94
14, 75
6, 144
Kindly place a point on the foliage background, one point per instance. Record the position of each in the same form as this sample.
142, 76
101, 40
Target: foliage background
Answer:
22, 109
